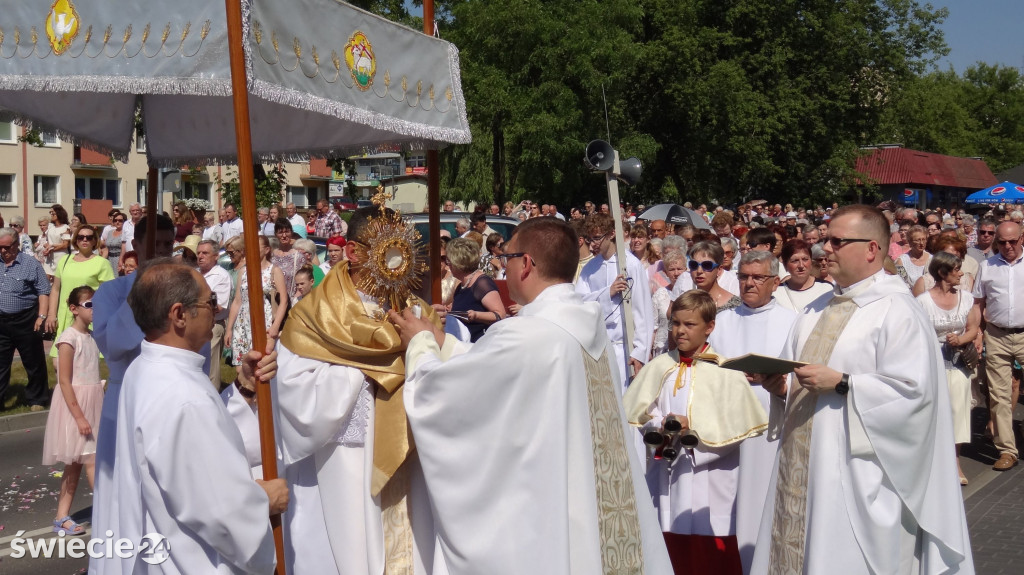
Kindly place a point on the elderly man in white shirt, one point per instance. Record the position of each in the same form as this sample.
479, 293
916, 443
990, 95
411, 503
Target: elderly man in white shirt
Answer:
760, 325
219, 281
997, 296
181, 469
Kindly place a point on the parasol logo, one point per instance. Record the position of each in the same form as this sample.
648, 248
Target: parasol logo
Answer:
1019, 189
61, 25
908, 192
997, 191
360, 60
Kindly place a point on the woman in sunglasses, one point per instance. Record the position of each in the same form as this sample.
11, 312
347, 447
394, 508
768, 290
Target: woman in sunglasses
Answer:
705, 267
85, 267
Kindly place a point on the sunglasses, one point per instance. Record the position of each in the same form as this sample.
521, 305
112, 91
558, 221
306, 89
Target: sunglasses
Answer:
596, 239
87, 238
984, 233
706, 265
1007, 242
87, 304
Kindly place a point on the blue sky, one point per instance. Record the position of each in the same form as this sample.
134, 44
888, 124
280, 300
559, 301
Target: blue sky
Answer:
983, 30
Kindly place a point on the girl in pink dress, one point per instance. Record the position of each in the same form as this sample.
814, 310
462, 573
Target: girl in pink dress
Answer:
71, 427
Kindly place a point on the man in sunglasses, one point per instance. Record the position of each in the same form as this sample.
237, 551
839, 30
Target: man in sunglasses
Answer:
181, 469
997, 292
600, 281
509, 461
119, 338
865, 477
984, 247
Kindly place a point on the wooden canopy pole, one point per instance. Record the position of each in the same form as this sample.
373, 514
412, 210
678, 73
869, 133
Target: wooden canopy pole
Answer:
253, 268
433, 189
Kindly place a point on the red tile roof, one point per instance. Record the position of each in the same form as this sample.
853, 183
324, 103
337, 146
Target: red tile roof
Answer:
910, 167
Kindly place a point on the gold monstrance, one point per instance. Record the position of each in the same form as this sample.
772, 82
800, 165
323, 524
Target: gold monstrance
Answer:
393, 257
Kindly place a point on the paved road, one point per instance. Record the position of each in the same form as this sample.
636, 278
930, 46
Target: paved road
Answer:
28, 501
994, 502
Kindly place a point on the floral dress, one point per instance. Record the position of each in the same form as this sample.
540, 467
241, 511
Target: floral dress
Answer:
241, 332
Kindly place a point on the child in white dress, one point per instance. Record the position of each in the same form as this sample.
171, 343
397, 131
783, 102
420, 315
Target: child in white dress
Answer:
72, 425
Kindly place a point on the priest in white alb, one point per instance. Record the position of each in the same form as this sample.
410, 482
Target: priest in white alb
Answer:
530, 469
358, 500
866, 480
760, 325
181, 470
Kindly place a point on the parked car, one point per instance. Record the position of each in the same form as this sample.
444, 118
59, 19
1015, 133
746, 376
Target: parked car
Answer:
321, 253
344, 203
501, 224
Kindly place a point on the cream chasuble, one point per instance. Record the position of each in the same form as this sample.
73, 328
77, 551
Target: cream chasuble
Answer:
524, 447
866, 483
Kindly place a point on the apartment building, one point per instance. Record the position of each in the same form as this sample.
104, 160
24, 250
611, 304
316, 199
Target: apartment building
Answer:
33, 177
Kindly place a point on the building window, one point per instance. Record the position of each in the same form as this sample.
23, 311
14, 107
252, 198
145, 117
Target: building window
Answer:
199, 190
140, 191
49, 140
140, 142
47, 190
98, 189
6, 188
419, 161
302, 196
8, 133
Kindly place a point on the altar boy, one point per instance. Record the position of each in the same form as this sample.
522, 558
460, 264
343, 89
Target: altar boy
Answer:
695, 491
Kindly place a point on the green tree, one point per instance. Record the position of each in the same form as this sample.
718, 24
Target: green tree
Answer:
270, 186
974, 114
533, 72
771, 98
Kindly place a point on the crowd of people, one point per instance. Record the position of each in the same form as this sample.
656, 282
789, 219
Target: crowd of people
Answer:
617, 443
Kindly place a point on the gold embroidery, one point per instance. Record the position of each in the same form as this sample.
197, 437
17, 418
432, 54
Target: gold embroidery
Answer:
618, 522
394, 502
790, 525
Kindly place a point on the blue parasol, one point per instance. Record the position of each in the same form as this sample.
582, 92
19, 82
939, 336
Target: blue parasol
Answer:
1004, 193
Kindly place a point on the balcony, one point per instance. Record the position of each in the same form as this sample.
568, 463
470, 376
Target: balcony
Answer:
316, 169
86, 159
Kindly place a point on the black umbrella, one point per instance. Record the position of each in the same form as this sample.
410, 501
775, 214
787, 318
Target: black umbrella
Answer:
674, 214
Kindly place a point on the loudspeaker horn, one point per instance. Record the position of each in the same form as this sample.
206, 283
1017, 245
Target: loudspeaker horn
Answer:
629, 171
600, 156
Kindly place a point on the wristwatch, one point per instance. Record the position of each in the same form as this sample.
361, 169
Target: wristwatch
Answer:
843, 387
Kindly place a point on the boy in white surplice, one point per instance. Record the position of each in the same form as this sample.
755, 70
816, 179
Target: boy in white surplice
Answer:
695, 491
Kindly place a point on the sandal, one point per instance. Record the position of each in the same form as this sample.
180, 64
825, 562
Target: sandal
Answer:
963, 479
74, 530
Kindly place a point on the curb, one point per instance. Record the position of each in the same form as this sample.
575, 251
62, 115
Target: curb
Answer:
23, 421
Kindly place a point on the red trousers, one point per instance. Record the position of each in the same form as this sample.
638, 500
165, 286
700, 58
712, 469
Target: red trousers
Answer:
703, 554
